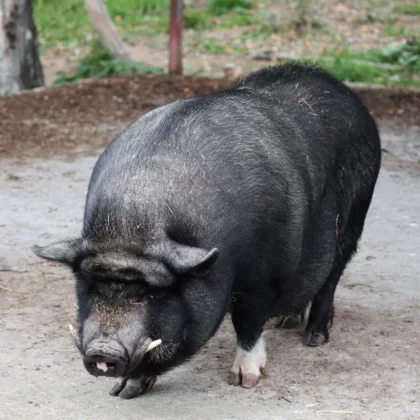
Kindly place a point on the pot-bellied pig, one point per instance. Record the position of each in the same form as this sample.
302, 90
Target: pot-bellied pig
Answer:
253, 197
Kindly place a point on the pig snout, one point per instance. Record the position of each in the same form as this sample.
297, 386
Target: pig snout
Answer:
98, 364
100, 360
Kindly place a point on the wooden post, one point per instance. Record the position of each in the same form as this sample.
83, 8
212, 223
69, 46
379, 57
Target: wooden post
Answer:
176, 25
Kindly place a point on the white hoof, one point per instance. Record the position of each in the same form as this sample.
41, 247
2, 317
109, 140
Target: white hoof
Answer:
249, 365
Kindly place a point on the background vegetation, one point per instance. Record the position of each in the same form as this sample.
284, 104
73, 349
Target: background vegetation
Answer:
326, 32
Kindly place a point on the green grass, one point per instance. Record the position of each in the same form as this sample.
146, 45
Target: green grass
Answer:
220, 7
348, 71
61, 23
306, 18
242, 19
260, 33
267, 24
345, 69
99, 63
365, 66
125, 8
373, 56
408, 9
404, 55
133, 14
376, 16
240, 49
211, 46
67, 23
392, 30
196, 20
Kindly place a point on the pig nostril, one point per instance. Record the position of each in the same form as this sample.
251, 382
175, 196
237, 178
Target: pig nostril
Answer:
109, 365
102, 365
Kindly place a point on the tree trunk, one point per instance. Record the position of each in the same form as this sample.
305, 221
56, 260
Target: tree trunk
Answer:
20, 67
105, 29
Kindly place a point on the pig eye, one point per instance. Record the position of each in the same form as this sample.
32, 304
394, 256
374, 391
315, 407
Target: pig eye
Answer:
157, 296
117, 286
137, 301
130, 273
157, 293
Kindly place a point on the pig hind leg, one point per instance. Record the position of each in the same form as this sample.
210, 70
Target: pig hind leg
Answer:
287, 322
318, 254
321, 315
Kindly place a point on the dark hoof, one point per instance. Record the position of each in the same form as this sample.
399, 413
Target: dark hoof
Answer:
315, 339
116, 389
128, 388
318, 334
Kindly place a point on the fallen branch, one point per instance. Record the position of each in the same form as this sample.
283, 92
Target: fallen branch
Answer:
8, 268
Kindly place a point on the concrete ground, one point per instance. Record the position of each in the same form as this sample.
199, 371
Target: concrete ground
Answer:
369, 370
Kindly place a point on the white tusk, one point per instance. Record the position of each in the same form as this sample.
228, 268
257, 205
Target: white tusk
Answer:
72, 331
154, 344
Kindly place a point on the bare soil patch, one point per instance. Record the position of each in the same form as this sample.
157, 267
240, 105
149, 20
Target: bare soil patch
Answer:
82, 117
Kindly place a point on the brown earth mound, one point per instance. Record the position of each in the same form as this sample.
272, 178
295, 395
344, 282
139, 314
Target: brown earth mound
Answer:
79, 118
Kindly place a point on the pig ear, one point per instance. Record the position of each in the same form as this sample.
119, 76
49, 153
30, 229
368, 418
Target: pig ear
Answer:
64, 251
185, 259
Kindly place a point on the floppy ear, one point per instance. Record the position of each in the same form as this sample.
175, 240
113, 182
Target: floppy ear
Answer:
184, 259
64, 251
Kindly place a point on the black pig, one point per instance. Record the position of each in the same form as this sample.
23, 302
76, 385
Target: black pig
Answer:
254, 197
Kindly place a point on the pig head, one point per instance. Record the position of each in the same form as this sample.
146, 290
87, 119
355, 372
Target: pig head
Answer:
132, 316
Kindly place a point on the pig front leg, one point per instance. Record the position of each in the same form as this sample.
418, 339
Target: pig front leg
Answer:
249, 314
249, 364
128, 388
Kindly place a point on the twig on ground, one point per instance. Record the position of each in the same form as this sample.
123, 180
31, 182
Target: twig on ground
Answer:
334, 412
12, 269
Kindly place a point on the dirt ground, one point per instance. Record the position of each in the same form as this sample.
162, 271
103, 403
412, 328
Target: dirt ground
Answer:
49, 143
